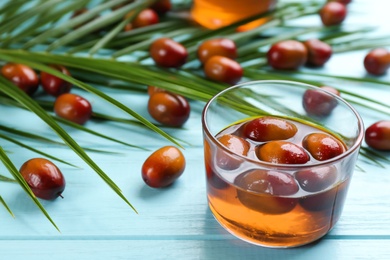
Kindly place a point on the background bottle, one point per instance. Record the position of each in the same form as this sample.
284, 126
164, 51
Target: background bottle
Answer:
216, 13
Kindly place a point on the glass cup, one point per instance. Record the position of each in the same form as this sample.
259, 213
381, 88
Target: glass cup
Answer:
260, 193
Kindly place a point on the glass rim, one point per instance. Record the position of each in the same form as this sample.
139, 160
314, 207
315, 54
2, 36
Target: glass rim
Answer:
348, 152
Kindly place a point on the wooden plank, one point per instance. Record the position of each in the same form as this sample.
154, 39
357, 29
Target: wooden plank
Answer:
190, 249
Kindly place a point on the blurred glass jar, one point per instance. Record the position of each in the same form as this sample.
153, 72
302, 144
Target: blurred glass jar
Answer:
213, 14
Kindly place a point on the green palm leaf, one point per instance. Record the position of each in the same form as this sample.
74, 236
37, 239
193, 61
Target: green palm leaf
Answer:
19, 178
63, 28
100, 22
34, 150
6, 179
90, 89
15, 21
39, 138
48, 106
9, 89
6, 206
43, 21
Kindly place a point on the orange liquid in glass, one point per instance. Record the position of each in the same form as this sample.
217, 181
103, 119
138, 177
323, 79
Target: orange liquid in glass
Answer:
216, 13
265, 219
299, 226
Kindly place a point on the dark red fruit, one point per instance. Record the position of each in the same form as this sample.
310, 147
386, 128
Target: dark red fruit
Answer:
212, 178
341, 1
323, 201
152, 90
145, 18
287, 55
342, 190
318, 103
235, 144
319, 52
331, 201
260, 190
214, 181
323, 146
167, 53
169, 109
128, 27
316, 179
162, 6
22, 76
270, 182
269, 128
282, 152
377, 61
331, 90
163, 167
53, 85
333, 13
377, 135
217, 47
44, 178
73, 108
223, 69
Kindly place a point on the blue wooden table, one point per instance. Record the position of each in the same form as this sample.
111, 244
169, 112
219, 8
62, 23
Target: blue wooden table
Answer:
175, 222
